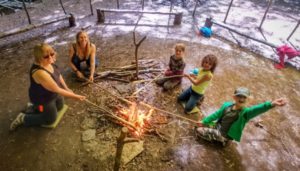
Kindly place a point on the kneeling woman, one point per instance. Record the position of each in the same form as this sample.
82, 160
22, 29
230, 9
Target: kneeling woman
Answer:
47, 87
83, 51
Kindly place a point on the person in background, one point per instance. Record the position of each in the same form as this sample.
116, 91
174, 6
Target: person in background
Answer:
83, 51
176, 67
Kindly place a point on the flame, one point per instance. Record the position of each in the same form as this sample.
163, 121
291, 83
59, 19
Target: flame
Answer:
139, 118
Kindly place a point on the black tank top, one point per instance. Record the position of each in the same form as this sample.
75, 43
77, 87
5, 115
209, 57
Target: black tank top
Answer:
37, 93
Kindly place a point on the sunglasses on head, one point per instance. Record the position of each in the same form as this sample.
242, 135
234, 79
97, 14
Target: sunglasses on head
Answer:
50, 55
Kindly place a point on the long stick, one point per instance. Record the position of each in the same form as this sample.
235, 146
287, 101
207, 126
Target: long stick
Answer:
118, 97
151, 80
112, 115
145, 85
169, 113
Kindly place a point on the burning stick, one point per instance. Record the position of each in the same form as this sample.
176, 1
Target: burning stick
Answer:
112, 115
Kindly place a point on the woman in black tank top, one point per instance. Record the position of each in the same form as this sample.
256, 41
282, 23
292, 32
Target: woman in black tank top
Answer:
47, 87
83, 51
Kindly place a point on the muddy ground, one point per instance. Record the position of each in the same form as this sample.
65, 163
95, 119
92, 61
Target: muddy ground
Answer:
276, 147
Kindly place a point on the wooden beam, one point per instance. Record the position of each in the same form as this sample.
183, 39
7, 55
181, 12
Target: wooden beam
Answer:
138, 12
32, 26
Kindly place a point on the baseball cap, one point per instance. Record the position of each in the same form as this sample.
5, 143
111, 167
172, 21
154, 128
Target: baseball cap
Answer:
242, 91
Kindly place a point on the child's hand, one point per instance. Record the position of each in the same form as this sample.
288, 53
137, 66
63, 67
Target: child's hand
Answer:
279, 102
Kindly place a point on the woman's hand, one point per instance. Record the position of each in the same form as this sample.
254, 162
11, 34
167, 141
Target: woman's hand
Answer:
79, 97
91, 78
79, 74
279, 102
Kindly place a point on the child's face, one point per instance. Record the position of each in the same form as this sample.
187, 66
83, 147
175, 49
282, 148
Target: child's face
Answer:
207, 65
179, 53
240, 101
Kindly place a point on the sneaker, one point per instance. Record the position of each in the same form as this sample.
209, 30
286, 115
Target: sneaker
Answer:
29, 109
17, 122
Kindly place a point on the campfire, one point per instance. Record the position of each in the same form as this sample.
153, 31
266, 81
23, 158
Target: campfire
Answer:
139, 118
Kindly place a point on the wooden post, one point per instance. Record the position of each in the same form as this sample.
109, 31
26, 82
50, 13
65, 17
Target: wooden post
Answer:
100, 16
264, 17
294, 30
143, 3
118, 4
195, 8
171, 7
137, 45
72, 21
178, 18
28, 17
62, 6
228, 11
91, 6
120, 145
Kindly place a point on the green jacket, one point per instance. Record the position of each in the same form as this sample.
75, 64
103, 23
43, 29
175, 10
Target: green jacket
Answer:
247, 113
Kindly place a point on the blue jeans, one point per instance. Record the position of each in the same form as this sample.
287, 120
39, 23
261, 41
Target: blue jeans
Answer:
76, 61
189, 97
44, 114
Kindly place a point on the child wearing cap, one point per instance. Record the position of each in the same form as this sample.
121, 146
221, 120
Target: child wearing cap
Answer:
176, 67
200, 81
232, 117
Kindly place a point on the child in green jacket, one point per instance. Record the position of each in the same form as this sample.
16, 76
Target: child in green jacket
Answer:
232, 117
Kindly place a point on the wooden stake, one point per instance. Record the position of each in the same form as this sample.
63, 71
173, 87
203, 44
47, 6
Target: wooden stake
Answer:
228, 11
91, 6
264, 17
294, 31
195, 8
28, 17
118, 4
120, 145
137, 45
62, 6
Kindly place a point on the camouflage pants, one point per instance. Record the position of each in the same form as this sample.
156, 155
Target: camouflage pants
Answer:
211, 134
168, 83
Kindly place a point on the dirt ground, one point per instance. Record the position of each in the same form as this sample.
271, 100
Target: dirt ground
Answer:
276, 147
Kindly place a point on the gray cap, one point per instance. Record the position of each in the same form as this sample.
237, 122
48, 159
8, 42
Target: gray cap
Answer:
242, 91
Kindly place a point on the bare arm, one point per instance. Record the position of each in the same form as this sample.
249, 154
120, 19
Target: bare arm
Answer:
43, 78
73, 67
64, 83
197, 81
93, 59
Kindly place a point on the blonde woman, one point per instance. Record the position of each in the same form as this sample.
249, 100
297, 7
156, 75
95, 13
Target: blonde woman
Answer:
83, 51
47, 87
